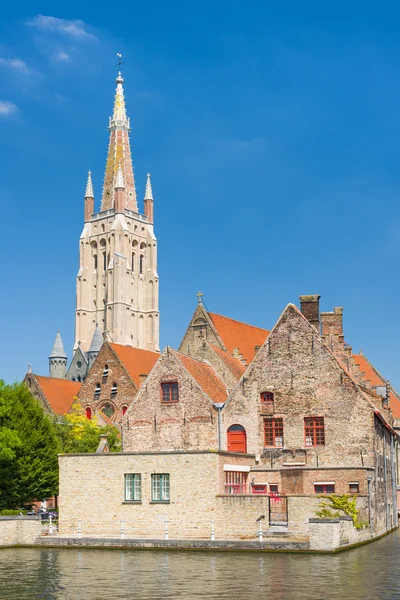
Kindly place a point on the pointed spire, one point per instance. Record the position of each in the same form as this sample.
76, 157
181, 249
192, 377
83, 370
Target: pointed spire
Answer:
58, 347
119, 182
89, 186
97, 340
119, 154
119, 114
148, 194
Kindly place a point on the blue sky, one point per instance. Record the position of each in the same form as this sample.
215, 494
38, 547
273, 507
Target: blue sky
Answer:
271, 130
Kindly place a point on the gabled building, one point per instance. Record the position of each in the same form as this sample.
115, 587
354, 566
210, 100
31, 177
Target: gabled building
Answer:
55, 395
114, 379
174, 409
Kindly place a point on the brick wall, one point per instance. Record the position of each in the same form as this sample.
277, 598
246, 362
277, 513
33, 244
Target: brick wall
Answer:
126, 389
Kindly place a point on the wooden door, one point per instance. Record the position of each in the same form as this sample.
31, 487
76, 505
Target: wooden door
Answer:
237, 439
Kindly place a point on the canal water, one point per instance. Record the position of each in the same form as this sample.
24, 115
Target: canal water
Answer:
368, 572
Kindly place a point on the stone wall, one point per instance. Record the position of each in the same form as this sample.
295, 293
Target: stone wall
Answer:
190, 424
19, 530
332, 534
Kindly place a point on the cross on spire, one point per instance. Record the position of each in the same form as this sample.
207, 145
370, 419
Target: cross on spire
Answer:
200, 297
120, 61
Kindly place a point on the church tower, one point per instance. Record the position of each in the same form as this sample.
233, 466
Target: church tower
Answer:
117, 282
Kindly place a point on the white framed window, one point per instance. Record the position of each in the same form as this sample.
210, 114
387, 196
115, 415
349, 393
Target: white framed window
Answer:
160, 487
133, 487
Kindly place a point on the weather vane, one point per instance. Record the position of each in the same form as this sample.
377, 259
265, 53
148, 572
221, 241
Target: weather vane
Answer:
120, 62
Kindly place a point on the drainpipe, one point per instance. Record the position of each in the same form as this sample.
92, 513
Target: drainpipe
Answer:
369, 505
395, 520
385, 481
219, 406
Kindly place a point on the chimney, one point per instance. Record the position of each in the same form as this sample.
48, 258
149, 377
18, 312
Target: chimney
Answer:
309, 306
332, 322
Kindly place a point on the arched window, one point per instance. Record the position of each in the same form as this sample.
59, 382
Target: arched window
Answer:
79, 378
88, 412
105, 370
114, 389
237, 439
124, 409
108, 410
95, 262
104, 261
133, 262
141, 264
97, 390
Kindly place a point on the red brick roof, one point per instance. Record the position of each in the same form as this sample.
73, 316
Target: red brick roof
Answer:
136, 361
59, 393
234, 365
235, 334
205, 376
375, 379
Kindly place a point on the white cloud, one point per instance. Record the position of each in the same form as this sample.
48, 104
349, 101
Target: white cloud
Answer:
75, 28
61, 56
7, 108
16, 64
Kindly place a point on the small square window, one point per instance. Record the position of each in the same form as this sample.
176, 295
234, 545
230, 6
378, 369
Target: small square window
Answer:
273, 488
354, 487
267, 397
133, 487
170, 392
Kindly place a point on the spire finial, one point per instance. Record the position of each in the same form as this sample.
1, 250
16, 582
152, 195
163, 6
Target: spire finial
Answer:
148, 194
119, 182
89, 186
200, 297
29, 368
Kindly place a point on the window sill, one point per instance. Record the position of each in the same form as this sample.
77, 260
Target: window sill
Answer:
159, 502
132, 502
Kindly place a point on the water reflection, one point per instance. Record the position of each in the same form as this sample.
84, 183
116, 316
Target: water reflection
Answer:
370, 572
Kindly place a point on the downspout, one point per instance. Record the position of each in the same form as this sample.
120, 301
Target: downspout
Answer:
395, 521
385, 480
369, 505
219, 406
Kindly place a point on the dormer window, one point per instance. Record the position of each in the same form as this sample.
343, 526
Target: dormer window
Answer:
105, 371
267, 397
97, 390
114, 389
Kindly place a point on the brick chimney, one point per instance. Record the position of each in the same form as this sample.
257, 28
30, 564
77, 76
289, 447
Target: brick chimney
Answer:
309, 306
332, 323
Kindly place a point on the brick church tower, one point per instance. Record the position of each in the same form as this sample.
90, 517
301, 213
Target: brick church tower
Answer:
117, 282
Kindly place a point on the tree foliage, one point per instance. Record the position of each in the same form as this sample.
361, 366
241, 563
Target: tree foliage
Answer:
28, 448
78, 435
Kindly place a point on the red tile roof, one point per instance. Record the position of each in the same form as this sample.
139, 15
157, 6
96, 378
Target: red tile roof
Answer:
235, 334
59, 393
234, 365
375, 379
136, 361
205, 376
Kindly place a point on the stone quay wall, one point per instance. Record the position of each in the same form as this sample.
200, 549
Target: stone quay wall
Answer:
19, 530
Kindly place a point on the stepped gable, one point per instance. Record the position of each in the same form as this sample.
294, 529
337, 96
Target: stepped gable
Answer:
135, 360
237, 335
205, 376
59, 393
369, 373
234, 365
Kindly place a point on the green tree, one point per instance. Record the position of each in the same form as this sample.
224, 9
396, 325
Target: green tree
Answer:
78, 435
28, 448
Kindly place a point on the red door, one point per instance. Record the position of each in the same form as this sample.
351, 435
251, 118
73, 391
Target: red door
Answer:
236, 439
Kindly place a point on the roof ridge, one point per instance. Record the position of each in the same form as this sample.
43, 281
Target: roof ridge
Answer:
134, 348
237, 321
